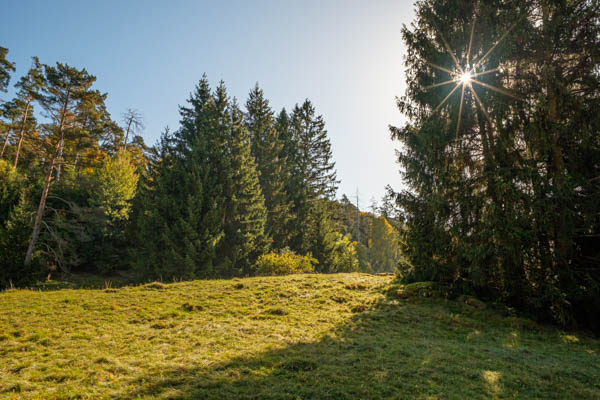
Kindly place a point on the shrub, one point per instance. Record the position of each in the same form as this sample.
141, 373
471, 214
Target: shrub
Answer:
343, 257
15, 232
284, 263
14, 237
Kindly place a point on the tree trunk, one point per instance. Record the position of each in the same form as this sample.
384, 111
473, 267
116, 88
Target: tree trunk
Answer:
60, 155
127, 134
42, 206
6, 137
553, 80
22, 134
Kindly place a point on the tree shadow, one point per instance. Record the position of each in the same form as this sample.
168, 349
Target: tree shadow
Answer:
417, 348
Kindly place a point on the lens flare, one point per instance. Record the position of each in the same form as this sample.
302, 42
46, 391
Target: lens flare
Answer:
466, 77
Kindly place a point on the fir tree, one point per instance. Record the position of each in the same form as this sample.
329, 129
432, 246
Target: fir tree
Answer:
267, 149
206, 213
245, 212
500, 204
312, 181
179, 224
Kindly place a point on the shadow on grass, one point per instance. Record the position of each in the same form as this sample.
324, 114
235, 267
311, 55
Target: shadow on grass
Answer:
418, 348
85, 281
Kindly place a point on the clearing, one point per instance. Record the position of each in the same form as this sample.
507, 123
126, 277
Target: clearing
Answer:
340, 336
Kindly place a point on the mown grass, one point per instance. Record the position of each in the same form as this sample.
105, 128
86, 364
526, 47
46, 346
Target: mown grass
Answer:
341, 336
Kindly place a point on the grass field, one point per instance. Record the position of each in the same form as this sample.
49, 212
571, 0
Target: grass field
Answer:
341, 336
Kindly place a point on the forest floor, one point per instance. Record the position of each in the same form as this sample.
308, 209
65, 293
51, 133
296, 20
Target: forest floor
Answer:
342, 336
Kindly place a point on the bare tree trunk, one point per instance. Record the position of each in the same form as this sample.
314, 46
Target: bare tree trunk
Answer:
60, 155
6, 137
42, 206
22, 134
127, 134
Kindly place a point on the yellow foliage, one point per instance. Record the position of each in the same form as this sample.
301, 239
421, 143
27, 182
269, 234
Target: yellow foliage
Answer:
284, 263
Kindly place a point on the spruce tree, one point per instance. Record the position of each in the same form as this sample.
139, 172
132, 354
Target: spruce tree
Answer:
245, 212
267, 149
179, 221
205, 212
312, 181
500, 178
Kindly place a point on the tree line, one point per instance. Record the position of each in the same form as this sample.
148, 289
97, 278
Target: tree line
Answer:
82, 192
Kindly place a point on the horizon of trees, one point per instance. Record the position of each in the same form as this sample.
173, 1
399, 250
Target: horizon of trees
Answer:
500, 158
82, 192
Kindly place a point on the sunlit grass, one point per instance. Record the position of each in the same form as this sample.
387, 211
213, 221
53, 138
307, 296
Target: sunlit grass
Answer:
341, 336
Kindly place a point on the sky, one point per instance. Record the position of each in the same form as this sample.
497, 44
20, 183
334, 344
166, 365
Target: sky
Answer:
345, 56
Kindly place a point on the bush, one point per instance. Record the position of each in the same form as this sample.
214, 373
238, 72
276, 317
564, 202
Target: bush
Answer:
343, 257
284, 263
14, 238
15, 231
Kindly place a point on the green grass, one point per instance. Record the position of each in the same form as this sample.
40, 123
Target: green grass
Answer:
341, 336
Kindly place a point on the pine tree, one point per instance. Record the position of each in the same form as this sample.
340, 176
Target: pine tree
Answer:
29, 87
267, 149
11, 111
68, 99
6, 67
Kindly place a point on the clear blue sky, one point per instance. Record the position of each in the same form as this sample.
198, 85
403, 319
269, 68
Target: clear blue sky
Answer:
345, 56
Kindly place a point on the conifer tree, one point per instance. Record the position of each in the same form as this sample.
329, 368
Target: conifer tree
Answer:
206, 213
6, 67
180, 220
245, 212
267, 149
500, 179
29, 87
70, 102
312, 180
10, 110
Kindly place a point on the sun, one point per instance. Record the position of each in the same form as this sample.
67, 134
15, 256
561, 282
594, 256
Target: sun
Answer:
466, 77
466, 74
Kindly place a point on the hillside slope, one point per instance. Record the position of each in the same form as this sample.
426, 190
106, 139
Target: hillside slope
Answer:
297, 337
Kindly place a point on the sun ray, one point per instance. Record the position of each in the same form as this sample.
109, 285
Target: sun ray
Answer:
440, 68
462, 97
483, 109
496, 45
496, 89
439, 84
451, 52
445, 99
471, 42
465, 75
489, 71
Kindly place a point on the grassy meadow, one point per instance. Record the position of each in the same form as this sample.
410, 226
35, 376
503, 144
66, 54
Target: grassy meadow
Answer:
341, 336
